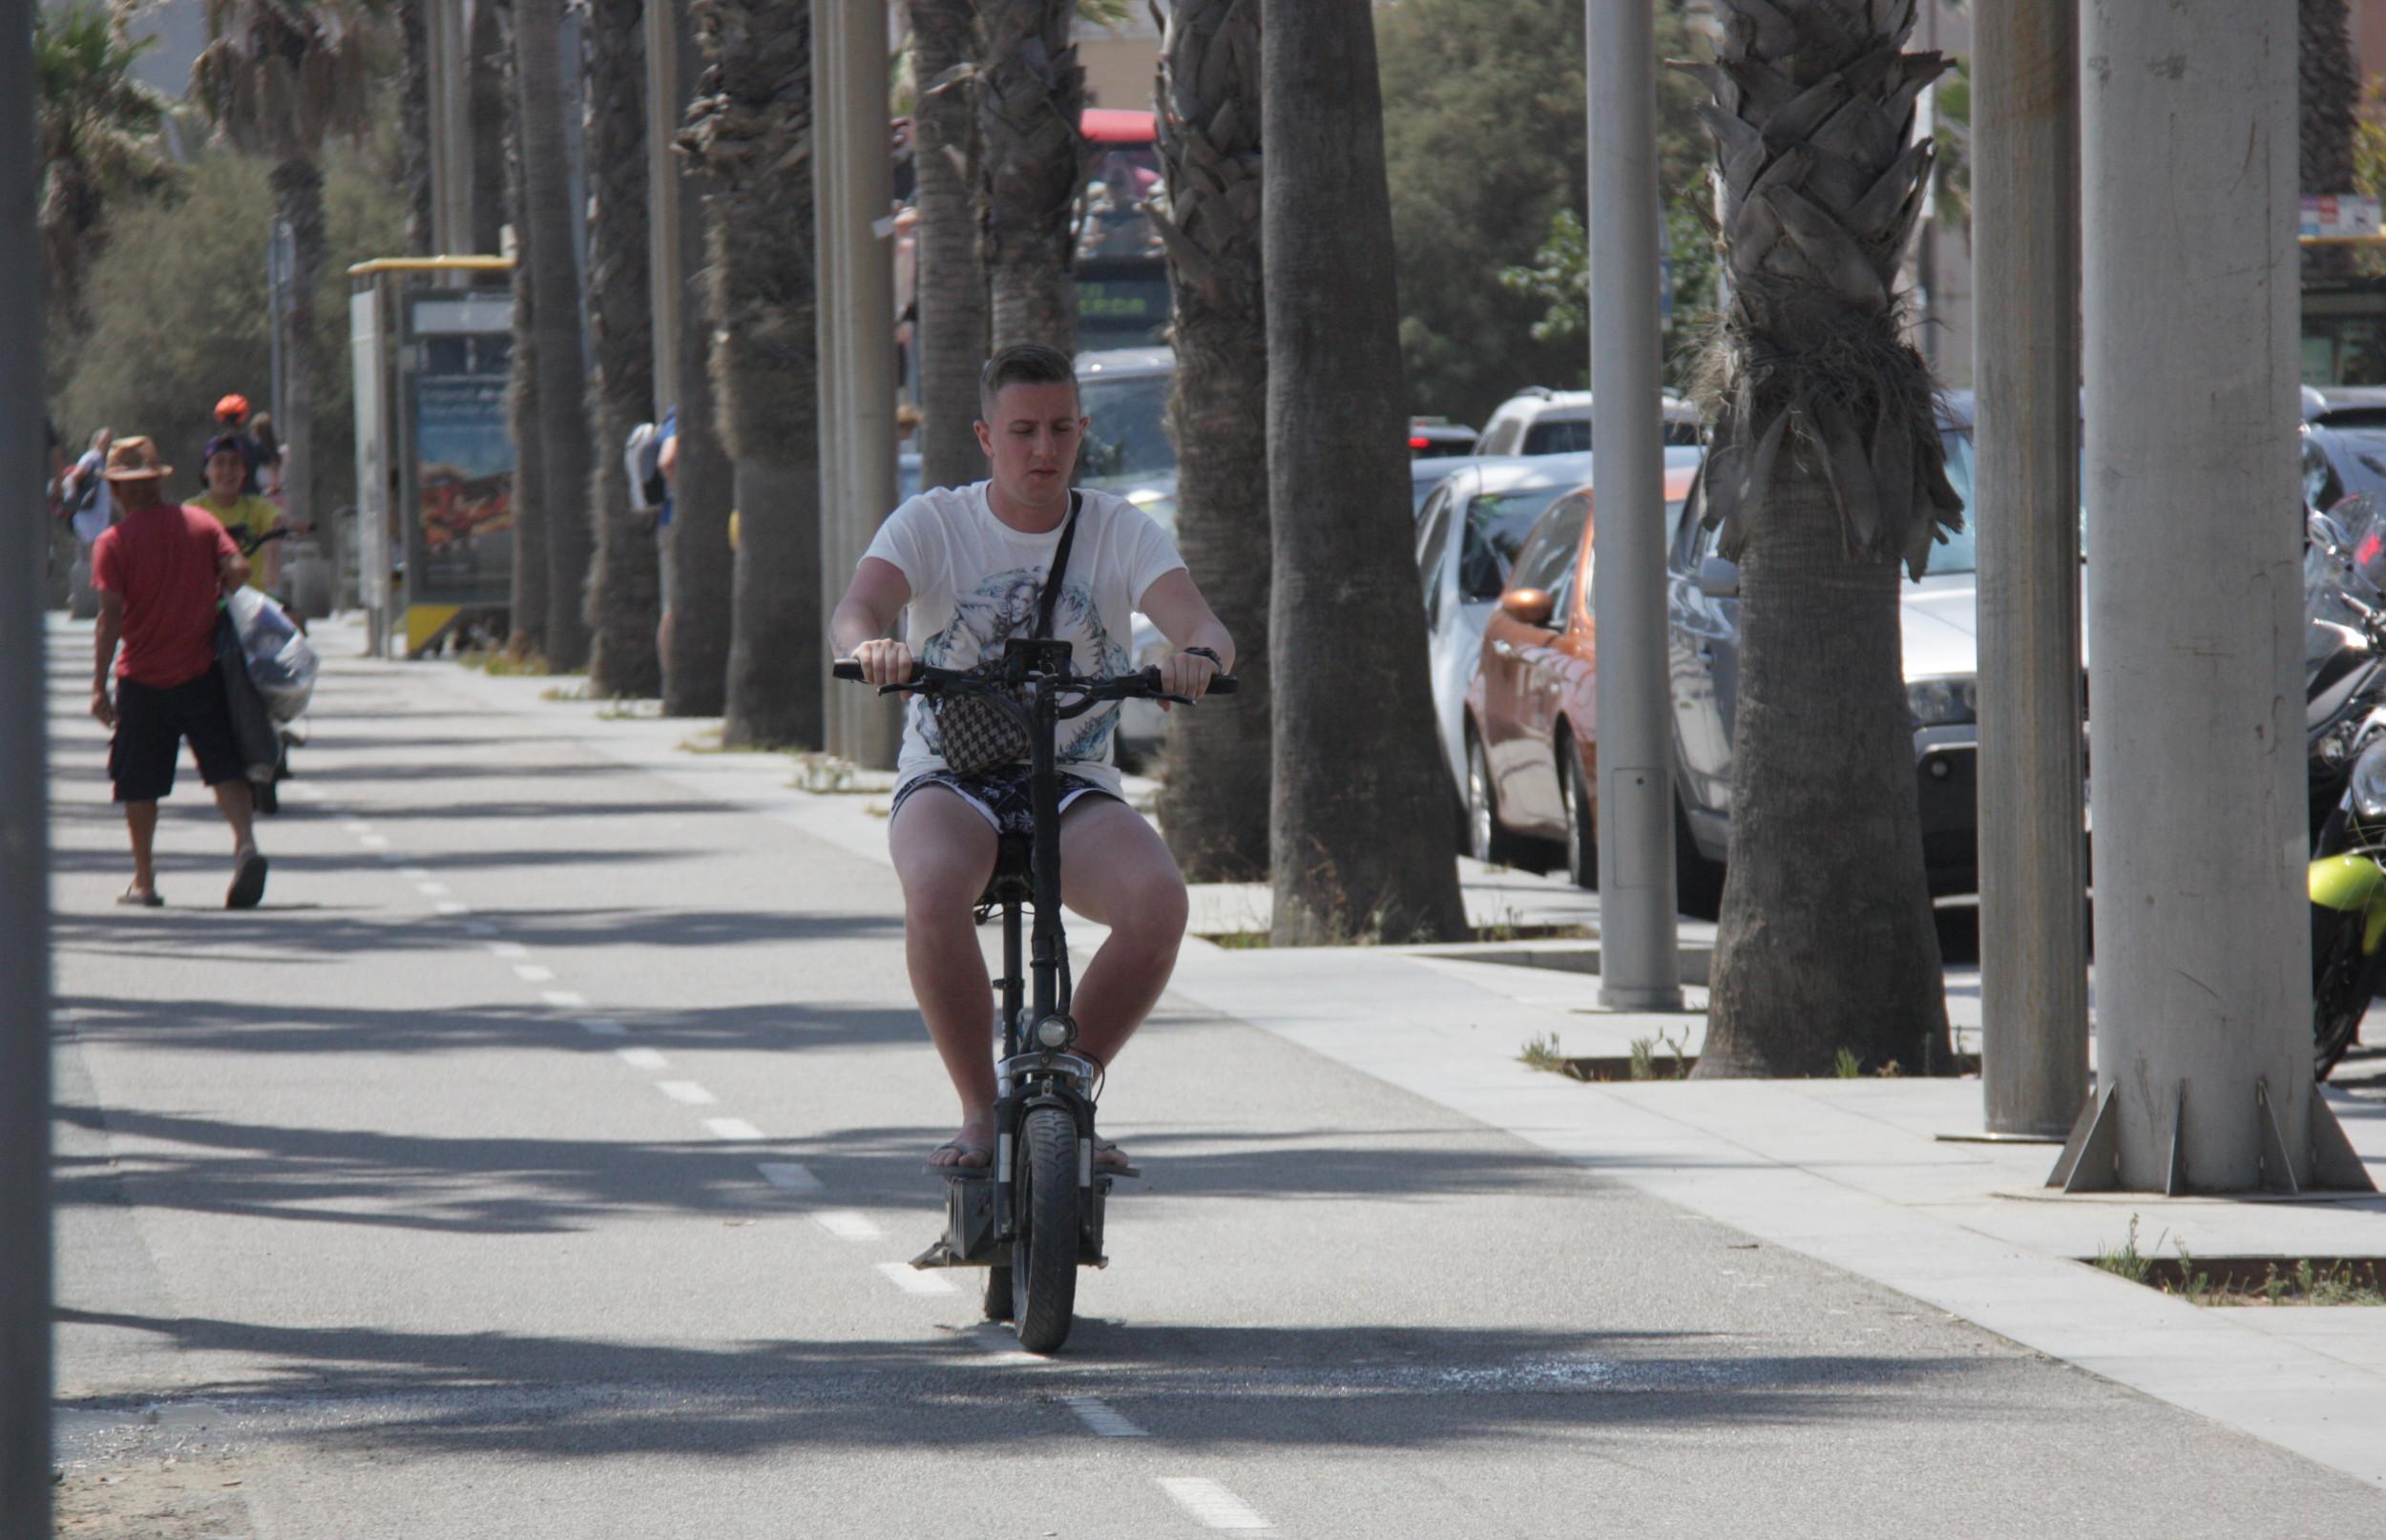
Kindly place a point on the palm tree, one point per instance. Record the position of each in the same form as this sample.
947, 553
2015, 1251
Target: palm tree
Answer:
531, 491
1359, 842
1825, 477
750, 132
95, 127
2329, 95
1031, 93
624, 593
1214, 803
487, 112
562, 367
281, 79
951, 286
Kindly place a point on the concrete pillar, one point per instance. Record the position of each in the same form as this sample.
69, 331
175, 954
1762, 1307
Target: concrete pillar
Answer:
854, 203
23, 826
2203, 980
2025, 169
1639, 960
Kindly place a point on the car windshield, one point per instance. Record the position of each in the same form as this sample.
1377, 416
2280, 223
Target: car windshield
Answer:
1496, 524
1128, 442
2363, 460
1956, 556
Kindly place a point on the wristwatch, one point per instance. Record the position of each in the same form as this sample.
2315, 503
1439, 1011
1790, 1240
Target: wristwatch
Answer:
1215, 662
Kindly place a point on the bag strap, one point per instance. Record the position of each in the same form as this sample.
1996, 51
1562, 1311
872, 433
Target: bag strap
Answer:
1059, 567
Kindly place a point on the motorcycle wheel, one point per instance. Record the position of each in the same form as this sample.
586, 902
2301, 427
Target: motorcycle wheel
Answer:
2343, 982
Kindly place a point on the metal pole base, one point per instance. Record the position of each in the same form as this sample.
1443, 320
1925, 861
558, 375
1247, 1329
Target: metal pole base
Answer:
2090, 1162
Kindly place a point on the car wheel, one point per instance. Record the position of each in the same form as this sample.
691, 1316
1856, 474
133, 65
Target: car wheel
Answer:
1486, 841
1698, 882
1582, 822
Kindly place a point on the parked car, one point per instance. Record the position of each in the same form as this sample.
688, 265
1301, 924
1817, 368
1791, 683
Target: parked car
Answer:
1941, 642
1438, 437
1128, 451
1529, 732
1467, 537
2342, 462
1539, 421
1426, 475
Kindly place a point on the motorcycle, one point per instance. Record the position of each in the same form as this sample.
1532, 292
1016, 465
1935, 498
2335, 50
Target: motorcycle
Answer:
2345, 726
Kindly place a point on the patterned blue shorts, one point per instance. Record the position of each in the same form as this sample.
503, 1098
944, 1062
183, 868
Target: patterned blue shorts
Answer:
1001, 796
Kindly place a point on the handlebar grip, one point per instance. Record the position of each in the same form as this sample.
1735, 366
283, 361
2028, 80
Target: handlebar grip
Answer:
845, 668
1223, 684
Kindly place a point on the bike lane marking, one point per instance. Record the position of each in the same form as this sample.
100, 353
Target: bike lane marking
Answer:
734, 1129
790, 1175
687, 1093
532, 973
565, 999
847, 1224
641, 1058
912, 1280
1103, 1419
1211, 1504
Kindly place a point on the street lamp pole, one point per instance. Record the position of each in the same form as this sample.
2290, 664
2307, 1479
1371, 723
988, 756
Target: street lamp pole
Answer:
1640, 958
24, 824
2025, 184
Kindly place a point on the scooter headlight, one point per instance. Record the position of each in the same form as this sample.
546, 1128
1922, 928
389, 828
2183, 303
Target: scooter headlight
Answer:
2369, 782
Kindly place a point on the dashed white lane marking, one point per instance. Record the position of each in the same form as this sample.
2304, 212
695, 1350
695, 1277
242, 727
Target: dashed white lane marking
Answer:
532, 973
357, 825
432, 889
453, 907
912, 1280
1211, 1504
373, 842
415, 874
687, 1091
845, 1224
605, 1028
1097, 1414
736, 1129
792, 1177
641, 1058
565, 999
508, 948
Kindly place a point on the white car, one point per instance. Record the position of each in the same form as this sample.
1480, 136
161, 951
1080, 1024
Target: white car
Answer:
1539, 421
1467, 534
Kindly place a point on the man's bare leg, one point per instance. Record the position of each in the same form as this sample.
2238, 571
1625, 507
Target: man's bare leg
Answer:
1116, 871
238, 804
140, 820
944, 852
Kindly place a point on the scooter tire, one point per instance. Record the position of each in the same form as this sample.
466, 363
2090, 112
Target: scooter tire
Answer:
1044, 1257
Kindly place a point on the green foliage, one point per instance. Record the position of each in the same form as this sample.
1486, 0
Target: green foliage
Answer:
97, 132
1485, 146
2125, 1261
178, 312
1558, 281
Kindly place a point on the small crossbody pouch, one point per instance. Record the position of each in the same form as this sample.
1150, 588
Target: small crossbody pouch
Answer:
977, 734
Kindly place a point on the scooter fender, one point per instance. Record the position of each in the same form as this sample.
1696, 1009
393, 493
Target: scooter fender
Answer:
2349, 883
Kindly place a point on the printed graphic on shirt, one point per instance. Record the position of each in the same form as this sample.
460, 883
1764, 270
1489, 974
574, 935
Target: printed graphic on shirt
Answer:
1004, 606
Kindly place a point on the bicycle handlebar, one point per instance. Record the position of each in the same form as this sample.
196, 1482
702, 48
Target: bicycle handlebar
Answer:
1142, 683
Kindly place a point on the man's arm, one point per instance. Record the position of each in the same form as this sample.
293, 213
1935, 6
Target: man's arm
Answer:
1185, 617
104, 654
872, 603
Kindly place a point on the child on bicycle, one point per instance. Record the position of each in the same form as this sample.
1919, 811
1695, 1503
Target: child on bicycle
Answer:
245, 515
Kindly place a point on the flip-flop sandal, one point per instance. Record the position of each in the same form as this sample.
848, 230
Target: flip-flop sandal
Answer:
141, 901
1103, 1146
248, 884
960, 1167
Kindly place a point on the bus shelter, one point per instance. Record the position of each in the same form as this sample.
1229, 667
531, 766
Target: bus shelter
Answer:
430, 342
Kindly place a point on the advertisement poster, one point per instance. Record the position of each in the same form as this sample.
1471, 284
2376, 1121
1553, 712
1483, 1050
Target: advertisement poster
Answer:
463, 529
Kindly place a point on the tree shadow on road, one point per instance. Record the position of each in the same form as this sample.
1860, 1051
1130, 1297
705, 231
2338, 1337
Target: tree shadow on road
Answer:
338, 934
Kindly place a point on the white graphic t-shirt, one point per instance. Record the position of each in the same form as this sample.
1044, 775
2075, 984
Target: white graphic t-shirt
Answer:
976, 583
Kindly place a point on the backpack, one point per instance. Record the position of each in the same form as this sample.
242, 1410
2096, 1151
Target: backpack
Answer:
641, 458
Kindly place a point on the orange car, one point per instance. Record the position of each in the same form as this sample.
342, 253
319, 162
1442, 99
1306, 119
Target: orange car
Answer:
1532, 713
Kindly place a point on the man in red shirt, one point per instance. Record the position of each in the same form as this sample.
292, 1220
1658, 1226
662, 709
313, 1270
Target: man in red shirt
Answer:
160, 572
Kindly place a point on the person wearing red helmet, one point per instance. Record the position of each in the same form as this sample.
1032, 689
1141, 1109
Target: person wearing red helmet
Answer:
232, 421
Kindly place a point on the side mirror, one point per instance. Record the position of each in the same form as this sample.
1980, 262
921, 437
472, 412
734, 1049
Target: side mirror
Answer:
1718, 578
1531, 605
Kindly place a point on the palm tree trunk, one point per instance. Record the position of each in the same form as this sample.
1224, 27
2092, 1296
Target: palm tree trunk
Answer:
624, 595
1214, 800
1826, 474
1827, 940
2329, 98
547, 217
486, 107
1360, 843
297, 190
696, 674
952, 285
528, 605
1031, 93
414, 125
750, 132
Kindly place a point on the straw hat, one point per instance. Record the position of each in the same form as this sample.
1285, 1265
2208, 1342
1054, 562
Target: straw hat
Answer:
136, 459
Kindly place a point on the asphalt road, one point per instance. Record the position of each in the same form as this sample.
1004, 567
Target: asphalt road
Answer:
430, 1199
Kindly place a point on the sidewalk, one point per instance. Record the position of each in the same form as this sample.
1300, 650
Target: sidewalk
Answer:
1851, 1173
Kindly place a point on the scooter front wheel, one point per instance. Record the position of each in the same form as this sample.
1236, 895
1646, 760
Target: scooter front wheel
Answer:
1044, 1256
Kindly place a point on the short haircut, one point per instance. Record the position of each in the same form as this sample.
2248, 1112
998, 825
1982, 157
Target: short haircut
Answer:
1022, 364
